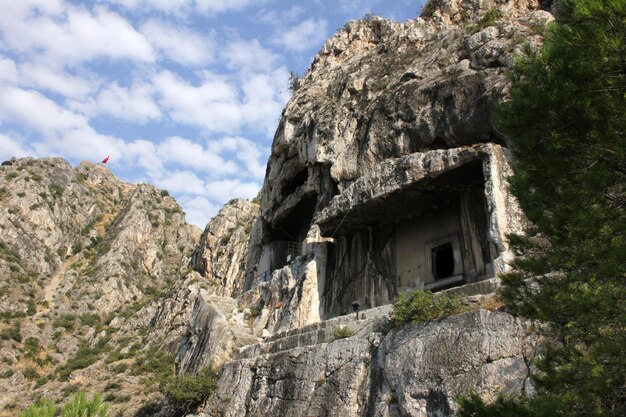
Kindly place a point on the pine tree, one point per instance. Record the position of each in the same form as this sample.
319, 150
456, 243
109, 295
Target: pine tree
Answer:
566, 124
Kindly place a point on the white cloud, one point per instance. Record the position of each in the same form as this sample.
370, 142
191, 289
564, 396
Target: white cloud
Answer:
11, 147
190, 154
186, 6
82, 144
178, 44
280, 17
56, 81
247, 56
264, 99
244, 150
144, 154
8, 70
135, 104
220, 6
37, 111
59, 33
199, 210
307, 34
212, 105
185, 182
224, 190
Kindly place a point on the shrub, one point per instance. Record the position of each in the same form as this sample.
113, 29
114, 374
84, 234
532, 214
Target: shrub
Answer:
186, 392
89, 319
164, 193
85, 357
7, 374
76, 247
42, 408
13, 332
294, 82
419, 306
341, 332
67, 321
80, 406
55, 190
30, 373
489, 18
11, 175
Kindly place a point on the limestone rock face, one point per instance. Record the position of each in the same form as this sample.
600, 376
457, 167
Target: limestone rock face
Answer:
380, 89
385, 156
413, 371
223, 250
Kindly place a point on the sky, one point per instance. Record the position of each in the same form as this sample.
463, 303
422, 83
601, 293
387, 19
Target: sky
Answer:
182, 94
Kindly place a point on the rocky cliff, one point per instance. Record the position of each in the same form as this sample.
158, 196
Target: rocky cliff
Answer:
384, 155
386, 175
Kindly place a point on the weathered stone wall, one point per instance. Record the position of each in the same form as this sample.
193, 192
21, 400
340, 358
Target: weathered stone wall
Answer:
417, 370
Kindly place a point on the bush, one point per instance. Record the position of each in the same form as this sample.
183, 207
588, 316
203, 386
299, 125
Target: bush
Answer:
30, 373
42, 408
80, 406
294, 82
186, 392
489, 18
341, 332
419, 306
85, 357
13, 332
67, 321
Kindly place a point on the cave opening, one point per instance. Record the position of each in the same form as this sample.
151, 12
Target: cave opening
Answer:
292, 185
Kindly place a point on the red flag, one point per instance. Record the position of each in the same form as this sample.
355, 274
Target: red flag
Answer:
105, 160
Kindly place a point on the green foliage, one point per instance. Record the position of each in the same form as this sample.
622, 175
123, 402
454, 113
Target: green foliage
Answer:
42, 408
473, 406
30, 373
186, 392
11, 175
294, 81
341, 332
419, 306
164, 193
31, 346
13, 332
89, 319
55, 190
566, 124
77, 247
159, 364
7, 374
85, 357
36, 177
67, 321
81, 406
489, 18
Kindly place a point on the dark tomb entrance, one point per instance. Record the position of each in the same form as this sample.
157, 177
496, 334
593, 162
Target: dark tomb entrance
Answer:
443, 261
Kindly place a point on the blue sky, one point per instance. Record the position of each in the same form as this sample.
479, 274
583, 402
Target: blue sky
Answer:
183, 94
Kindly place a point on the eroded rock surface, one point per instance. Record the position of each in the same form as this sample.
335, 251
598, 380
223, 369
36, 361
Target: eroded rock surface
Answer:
416, 371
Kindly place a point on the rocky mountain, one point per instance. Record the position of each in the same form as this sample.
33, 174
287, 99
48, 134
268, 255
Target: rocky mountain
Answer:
385, 176
85, 259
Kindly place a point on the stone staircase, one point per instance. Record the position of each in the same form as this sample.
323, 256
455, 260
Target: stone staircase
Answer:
324, 332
